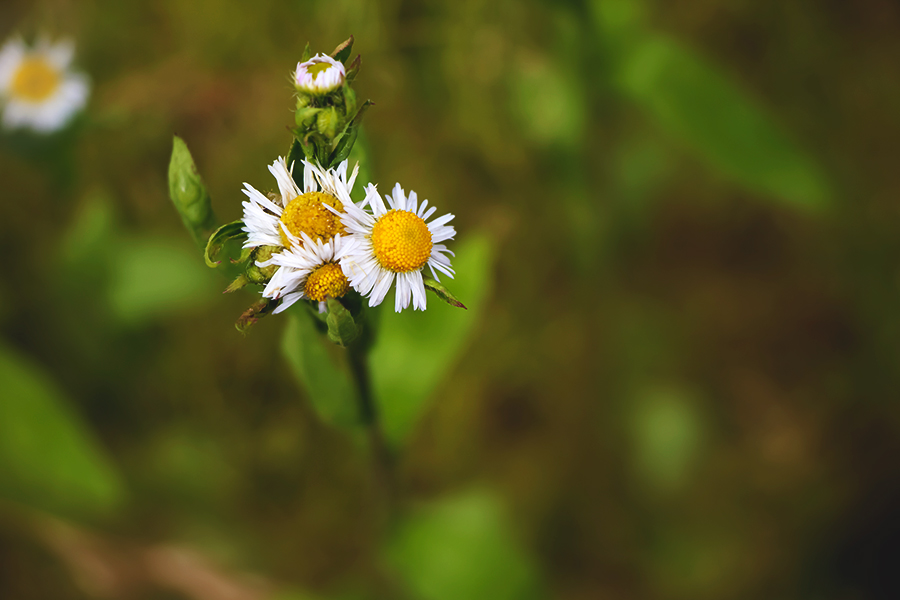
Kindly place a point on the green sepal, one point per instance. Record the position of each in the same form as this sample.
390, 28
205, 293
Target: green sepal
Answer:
254, 314
306, 53
239, 282
342, 328
303, 100
188, 193
353, 69
327, 122
257, 274
305, 116
342, 52
442, 292
218, 239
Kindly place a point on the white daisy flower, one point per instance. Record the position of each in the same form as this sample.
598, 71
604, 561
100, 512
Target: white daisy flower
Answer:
37, 87
281, 221
319, 75
395, 242
308, 269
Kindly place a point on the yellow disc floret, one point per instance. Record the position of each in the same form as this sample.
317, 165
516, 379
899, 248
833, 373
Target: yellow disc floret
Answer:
402, 241
35, 80
328, 281
307, 214
317, 67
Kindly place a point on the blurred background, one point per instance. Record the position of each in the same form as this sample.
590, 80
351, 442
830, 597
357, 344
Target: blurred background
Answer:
678, 238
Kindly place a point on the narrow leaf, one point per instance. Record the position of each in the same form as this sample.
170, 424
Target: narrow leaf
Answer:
342, 52
353, 69
295, 162
229, 231
442, 292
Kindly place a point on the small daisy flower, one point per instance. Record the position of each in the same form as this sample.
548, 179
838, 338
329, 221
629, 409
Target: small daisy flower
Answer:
396, 242
308, 270
319, 75
282, 220
37, 87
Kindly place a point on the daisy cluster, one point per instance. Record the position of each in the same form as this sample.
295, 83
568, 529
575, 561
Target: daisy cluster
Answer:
38, 89
325, 245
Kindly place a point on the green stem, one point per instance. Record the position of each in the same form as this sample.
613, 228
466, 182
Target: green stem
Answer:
382, 457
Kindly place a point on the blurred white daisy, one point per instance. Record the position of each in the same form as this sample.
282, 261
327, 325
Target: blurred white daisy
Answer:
308, 270
37, 87
282, 220
396, 242
319, 75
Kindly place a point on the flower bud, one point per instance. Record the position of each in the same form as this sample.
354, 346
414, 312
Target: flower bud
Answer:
188, 193
319, 75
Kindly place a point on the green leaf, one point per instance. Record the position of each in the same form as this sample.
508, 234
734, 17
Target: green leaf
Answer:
353, 70
695, 101
307, 53
416, 350
48, 457
295, 162
342, 52
188, 193
461, 547
667, 432
442, 292
326, 381
342, 329
217, 241
346, 140
155, 276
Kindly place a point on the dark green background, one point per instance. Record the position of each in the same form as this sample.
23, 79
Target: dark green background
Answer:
681, 374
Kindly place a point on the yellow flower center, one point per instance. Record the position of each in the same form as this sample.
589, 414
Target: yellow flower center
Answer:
327, 281
402, 241
35, 80
307, 213
316, 68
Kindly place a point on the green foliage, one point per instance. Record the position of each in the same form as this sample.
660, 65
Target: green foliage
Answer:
188, 193
48, 458
667, 434
342, 328
548, 101
327, 383
221, 236
461, 547
343, 50
441, 292
416, 350
693, 100
153, 276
